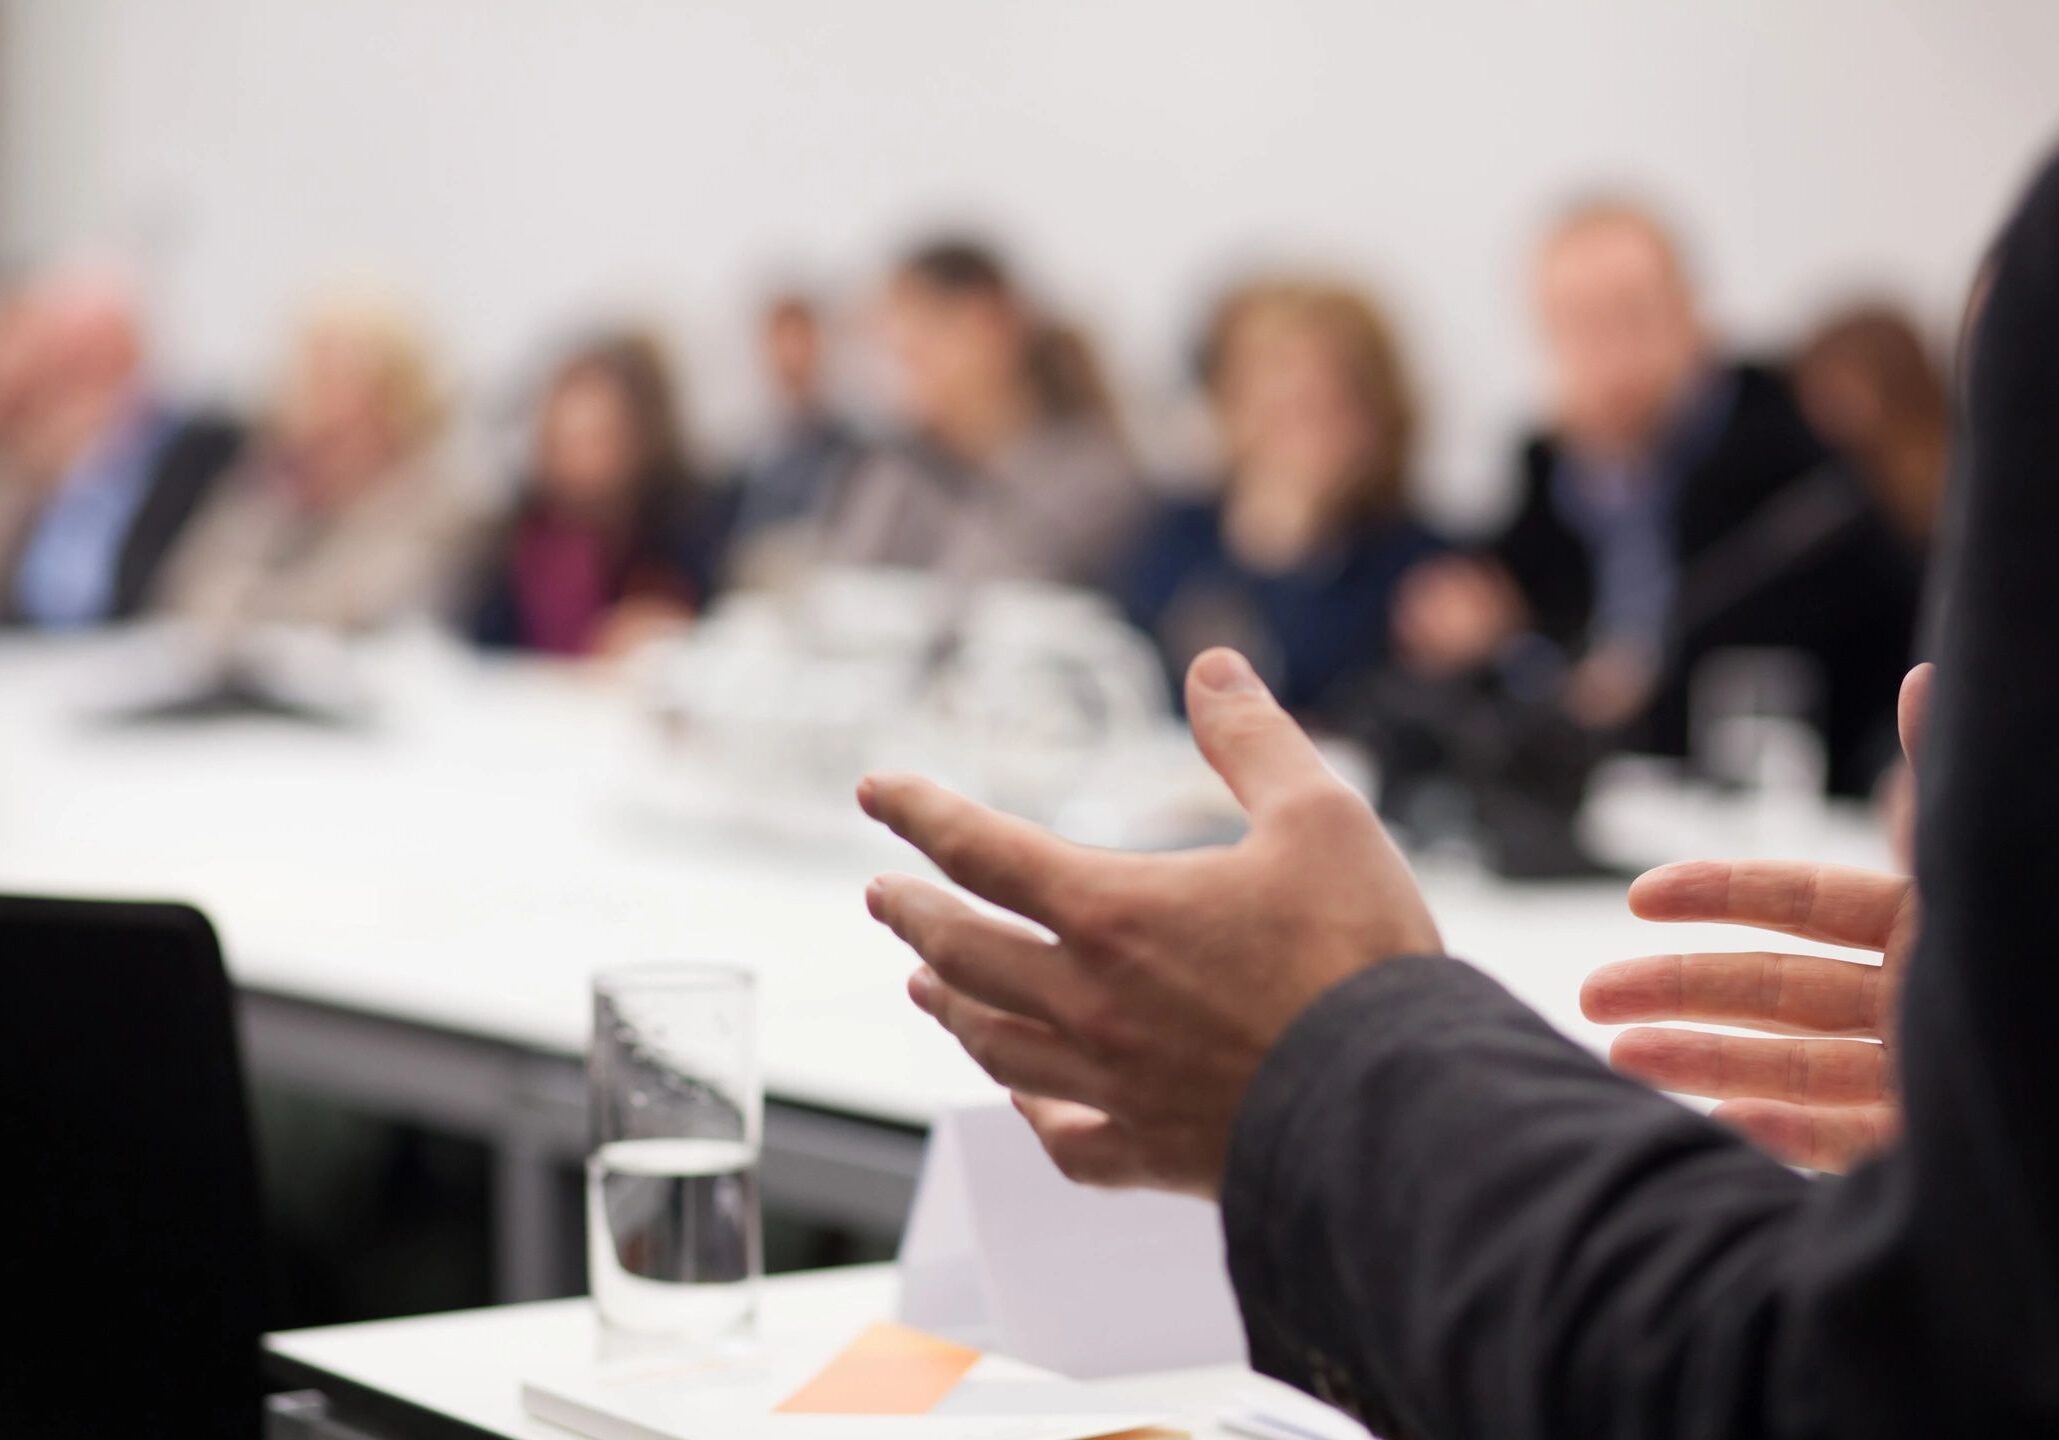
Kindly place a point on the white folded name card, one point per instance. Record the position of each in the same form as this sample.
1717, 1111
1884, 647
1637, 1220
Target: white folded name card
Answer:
1004, 1253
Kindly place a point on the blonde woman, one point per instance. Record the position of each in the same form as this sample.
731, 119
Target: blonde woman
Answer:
341, 517
1295, 558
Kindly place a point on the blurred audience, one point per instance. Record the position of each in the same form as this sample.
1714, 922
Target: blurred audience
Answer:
811, 446
1678, 503
1872, 387
1295, 558
103, 473
1012, 465
608, 542
340, 517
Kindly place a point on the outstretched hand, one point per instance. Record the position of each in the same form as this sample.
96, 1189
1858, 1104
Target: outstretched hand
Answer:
1129, 1023
1825, 1096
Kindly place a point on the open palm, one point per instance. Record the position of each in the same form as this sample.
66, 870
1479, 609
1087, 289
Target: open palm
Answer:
1825, 1097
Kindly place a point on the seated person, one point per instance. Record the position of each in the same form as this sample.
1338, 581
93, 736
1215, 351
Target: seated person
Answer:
811, 447
339, 518
1295, 559
1872, 388
1678, 504
606, 543
1012, 465
103, 474
1446, 1218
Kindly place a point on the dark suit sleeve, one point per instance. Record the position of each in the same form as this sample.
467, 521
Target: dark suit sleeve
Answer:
1443, 1215
182, 477
1549, 565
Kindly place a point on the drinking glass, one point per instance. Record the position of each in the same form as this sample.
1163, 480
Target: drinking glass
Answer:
1753, 730
672, 1220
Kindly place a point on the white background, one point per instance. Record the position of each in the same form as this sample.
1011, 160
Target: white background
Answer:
522, 164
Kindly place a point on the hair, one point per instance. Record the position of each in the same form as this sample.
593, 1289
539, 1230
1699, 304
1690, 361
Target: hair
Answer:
1060, 366
1904, 458
1365, 341
1603, 209
1066, 376
411, 391
959, 266
634, 362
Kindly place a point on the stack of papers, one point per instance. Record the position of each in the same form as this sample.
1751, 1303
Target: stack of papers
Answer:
891, 1381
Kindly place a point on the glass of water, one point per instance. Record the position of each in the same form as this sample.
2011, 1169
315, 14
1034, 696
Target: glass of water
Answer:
672, 1183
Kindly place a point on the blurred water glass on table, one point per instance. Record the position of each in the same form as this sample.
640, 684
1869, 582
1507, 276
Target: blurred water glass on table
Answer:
1754, 718
672, 1209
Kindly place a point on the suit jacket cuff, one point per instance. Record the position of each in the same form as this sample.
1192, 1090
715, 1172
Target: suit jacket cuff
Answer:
1275, 1146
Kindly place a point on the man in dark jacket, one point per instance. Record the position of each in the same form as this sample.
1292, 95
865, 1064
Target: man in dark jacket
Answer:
1678, 504
101, 477
1449, 1219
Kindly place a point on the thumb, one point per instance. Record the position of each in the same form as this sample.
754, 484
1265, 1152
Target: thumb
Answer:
1245, 736
1912, 709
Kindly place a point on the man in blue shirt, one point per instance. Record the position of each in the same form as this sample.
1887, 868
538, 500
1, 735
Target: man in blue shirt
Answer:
105, 475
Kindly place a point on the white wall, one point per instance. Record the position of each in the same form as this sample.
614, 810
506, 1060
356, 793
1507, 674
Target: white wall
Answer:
519, 162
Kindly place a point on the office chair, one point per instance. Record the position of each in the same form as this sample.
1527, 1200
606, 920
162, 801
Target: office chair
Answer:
130, 1254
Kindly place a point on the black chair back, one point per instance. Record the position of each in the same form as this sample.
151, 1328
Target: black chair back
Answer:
130, 1250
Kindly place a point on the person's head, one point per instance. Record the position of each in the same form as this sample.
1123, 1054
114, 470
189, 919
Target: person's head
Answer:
1871, 386
791, 338
958, 332
358, 397
1622, 329
609, 441
77, 342
1310, 392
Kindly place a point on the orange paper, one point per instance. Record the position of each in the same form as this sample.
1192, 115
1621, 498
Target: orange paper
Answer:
888, 1370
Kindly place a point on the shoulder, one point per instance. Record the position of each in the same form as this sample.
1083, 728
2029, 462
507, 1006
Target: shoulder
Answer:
1764, 440
1187, 513
1764, 408
1386, 546
1409, 539
204, 436
1761, 389
1537, 455
1086, 449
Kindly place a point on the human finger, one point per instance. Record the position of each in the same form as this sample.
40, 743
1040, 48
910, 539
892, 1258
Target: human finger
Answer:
1912, 708
1821, 1137
1837, 904
998, 857
1792, 994
1084, 1143
1732, 1067
1249, 740
995, 961
1021, 1054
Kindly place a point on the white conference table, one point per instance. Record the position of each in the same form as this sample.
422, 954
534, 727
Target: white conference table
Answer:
459, 1375
413, 913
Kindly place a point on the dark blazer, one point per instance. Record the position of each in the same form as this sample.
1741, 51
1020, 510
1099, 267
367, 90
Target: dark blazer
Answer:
1314, 632
1760, 565
1448, 1218
199, 452
676, 552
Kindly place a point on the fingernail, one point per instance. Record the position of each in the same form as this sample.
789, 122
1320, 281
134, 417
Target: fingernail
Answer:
1226, 671
865, 794
875, 896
